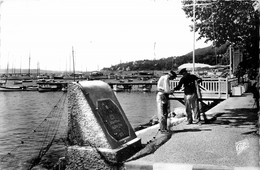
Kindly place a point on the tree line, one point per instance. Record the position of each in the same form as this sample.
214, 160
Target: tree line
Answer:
208, 55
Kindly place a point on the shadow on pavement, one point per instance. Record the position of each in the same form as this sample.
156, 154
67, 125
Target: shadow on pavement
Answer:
236, 117
253, 132
151, 146
189, 130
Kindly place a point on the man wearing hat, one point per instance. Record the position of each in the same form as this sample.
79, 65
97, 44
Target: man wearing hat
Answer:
162, 99
190, 94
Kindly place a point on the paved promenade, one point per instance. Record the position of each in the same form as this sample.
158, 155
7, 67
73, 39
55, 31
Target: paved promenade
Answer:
229, 142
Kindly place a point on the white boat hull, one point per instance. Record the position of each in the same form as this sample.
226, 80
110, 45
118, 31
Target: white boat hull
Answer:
10, 89
118, 89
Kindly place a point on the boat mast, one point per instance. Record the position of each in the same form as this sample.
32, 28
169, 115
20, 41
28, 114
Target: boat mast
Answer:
38, 68
29, 64
7, 72
0, 29
20, 66
193, 54
73, 64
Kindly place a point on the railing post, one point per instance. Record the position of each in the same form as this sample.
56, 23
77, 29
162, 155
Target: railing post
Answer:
227, 86
219, 88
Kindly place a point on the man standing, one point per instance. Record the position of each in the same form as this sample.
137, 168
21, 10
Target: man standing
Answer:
190, 95
162, 98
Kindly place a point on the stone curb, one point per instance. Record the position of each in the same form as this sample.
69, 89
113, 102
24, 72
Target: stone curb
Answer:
147, 129
142, 165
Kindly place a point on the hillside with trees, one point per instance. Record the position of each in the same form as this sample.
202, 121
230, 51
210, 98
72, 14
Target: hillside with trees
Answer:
205, 55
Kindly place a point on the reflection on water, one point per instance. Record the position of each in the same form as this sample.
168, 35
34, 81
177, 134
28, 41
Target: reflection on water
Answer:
21, 113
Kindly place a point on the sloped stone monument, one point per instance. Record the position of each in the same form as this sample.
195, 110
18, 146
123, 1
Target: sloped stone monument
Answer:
99, 133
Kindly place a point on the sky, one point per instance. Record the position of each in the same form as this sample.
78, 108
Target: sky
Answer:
101, 33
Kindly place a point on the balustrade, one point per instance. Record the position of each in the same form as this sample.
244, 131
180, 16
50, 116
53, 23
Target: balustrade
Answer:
211, 88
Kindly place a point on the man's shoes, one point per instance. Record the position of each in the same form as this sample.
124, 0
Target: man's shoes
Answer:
189, 123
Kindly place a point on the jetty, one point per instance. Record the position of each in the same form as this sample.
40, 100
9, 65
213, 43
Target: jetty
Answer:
213, 90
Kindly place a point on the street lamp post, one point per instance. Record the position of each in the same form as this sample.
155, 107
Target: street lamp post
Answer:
193, 54
194, 25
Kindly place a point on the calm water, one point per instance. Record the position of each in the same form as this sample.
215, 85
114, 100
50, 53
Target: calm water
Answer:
26, 117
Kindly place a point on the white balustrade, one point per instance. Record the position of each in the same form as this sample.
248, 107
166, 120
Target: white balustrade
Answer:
211, 88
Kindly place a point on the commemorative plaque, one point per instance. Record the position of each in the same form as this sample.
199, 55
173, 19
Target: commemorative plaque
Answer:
113, 120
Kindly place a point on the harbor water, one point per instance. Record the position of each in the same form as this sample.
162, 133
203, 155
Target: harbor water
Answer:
31, 120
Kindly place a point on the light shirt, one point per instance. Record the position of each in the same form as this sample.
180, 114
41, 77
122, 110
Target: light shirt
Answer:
163, 84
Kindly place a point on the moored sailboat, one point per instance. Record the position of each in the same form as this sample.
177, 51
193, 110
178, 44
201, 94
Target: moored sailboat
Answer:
118, 88
18, 82
12, 88
47, 88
